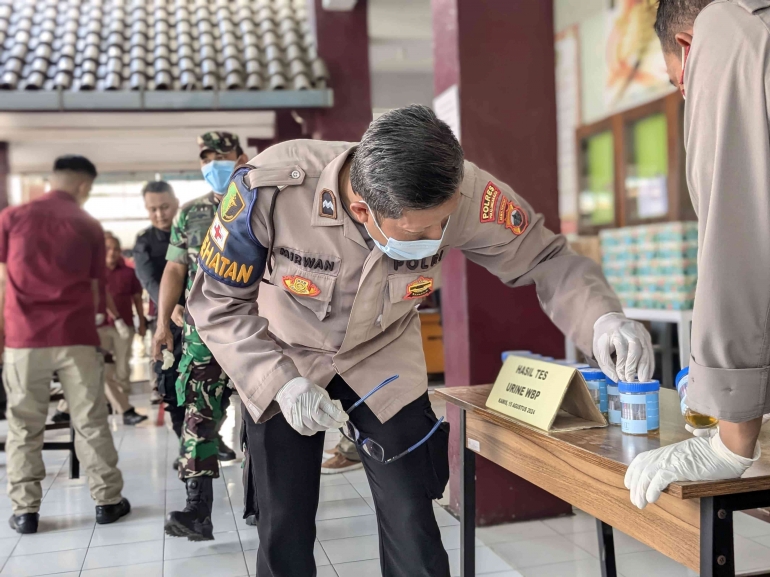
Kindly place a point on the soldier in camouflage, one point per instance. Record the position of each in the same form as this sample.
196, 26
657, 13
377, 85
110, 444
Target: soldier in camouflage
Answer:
202, 387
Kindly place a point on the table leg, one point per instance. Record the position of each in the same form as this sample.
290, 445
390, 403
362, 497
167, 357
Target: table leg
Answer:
74, 462
468, 505
717, 555
606, 549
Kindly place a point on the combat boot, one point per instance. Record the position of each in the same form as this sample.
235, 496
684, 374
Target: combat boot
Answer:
194, 522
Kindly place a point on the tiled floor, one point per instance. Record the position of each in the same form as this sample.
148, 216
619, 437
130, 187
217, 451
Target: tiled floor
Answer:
70, 543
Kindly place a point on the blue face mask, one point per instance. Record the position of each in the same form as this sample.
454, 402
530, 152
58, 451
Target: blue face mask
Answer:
408, 249
217, 174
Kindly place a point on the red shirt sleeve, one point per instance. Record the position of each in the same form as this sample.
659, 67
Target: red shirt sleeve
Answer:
98, 252
136, 286
4, 232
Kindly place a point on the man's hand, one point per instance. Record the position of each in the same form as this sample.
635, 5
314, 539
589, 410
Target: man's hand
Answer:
99, 319
162, 337
177, 317
123, 331
308, 408
142, 326
630, 342
696, 459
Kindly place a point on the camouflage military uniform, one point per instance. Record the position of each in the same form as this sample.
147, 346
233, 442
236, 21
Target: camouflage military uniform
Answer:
202, 387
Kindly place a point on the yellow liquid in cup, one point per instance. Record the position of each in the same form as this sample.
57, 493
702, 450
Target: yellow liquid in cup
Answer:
698, 421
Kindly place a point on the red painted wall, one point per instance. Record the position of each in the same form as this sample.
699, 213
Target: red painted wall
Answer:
343, 43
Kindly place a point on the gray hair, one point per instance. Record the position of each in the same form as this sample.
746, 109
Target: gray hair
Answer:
675, 16
408, 159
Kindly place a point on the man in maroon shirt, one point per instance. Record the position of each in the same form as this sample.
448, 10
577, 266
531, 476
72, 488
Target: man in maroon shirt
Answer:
115, 326
117, 333
51, 263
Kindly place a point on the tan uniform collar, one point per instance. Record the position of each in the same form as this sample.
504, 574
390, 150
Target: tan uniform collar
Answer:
328, 209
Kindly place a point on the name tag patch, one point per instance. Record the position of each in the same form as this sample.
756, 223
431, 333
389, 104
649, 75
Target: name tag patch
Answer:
308, 261
419, 288
301, 286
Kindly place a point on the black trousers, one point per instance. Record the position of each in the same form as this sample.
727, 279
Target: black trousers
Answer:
167, 382
283, 482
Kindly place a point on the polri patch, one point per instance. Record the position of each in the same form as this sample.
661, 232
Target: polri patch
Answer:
515, 219
489, 203
218, 233
419, 288
328, 206
232, 204
301, 286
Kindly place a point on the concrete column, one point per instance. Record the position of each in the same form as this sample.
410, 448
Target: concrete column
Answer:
500, 54
343, 43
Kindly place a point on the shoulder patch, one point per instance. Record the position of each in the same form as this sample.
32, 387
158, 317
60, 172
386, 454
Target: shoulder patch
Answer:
328, 206
489, 202
512, 216
232, 203
230, 253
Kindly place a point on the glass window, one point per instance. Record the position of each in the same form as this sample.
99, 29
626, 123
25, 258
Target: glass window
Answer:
597, 189
646, 185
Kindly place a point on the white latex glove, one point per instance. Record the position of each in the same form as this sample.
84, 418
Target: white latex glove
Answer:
123, 331
308, 408
707, 433
696, 459
168, 360
99, 319
630, 342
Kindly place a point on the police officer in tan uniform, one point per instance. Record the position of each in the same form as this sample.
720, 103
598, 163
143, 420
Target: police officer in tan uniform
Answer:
314, 265
718, 55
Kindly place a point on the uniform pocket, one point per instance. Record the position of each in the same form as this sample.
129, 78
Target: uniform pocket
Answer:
437, 463
311, 290
404, 293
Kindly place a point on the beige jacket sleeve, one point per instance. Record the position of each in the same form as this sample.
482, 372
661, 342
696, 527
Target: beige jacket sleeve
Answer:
504, 235
223, 301
728, 173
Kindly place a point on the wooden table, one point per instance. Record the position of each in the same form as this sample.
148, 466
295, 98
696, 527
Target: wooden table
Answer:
692, 522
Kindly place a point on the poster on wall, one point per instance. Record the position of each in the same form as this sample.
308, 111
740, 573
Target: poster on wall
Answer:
636, 71
567, 120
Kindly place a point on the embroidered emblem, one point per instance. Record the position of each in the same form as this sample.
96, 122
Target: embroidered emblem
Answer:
301, 286
232, 204
419, 288
219, 233
515, 219
489, 202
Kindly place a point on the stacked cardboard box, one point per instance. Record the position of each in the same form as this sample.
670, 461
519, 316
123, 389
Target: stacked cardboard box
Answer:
652, 266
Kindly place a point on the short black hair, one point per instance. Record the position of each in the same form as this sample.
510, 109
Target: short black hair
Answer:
108, 235
408, 159
75, 163
157, 186
238, 150
675, 16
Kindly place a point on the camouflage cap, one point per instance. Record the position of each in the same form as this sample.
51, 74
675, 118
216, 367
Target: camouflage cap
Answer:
218, 141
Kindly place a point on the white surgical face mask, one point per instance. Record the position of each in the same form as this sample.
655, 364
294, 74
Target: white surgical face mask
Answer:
407, 249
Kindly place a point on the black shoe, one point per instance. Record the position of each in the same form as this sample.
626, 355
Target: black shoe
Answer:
195, 521
224, 453
60, 417
109, 409
106, 514
131, 417
251, 520
175, 464
24, 524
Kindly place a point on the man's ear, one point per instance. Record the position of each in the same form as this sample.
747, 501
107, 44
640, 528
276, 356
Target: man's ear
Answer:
360, 211
684, 39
